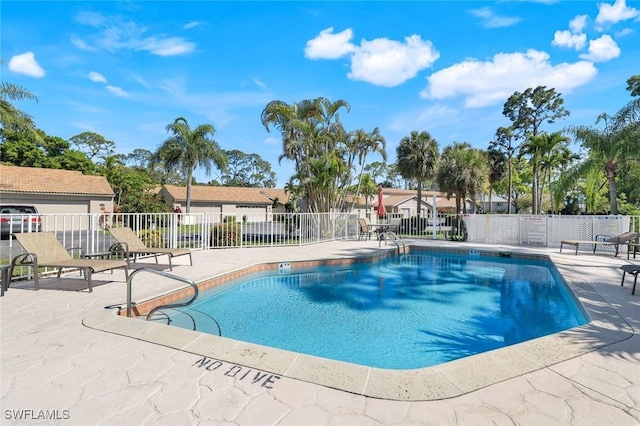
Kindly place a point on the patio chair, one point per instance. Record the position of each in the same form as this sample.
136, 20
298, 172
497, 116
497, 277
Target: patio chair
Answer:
131, 247
615, 241
44, 250
631, 270
365, 229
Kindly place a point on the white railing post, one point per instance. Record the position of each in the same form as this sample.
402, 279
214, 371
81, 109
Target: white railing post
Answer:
435, 217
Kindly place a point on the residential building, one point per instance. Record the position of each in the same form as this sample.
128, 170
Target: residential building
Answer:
256, 203
55, 190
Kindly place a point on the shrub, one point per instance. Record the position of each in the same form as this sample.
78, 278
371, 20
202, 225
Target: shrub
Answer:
152, 238
225, 235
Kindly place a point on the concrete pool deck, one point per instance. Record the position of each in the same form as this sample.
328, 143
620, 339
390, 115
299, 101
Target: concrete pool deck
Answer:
60, 352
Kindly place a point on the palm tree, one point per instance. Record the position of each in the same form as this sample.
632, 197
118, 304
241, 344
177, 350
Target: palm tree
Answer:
534, 147
476, 174
11, 118
368, 189
609, 149
311, 133
555, 154
417, 159
188, 149
504, 141
497, 162
462, 171
363, 144
447, 176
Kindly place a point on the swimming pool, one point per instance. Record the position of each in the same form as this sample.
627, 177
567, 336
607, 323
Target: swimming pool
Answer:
403, 312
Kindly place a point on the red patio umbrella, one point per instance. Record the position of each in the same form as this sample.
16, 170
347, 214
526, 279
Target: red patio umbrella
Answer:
382, 210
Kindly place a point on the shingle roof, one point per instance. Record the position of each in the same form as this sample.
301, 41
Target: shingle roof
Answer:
227, 194
394, 200
51, 181
408, 192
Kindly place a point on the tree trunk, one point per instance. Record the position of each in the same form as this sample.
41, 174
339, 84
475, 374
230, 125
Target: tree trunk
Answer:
490, 205
419, 199
510, 194
613, 193
189, 178
534, 192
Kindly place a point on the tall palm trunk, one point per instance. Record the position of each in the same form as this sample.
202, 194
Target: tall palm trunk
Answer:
189, 178
509, 195
534, 191
613, 191
419, 199
490, 193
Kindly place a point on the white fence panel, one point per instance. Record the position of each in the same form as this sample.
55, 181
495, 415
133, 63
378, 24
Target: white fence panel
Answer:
493, 229
202, 231
588, 228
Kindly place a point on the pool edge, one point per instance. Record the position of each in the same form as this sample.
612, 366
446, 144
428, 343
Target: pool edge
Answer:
442, 381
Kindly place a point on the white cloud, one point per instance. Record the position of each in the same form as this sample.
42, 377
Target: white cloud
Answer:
84, 126
433, 117
623, 32
566, 39
93, 19
115, 90
191, 24
617, 12
81, 44
577, 24
96, 77
484, 83
328, 45
381, 61
491, 20
602, 49
116, 33
272, 141
26, 64
260, 83
165, 47
388, 63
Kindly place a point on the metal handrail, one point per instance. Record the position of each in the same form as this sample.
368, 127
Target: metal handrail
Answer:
166, 275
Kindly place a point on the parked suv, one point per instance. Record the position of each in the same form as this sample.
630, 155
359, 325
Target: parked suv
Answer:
19, 218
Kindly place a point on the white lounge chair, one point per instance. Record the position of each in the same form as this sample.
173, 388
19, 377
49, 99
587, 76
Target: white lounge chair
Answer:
615, 241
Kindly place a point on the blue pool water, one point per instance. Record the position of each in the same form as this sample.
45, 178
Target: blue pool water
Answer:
403, 312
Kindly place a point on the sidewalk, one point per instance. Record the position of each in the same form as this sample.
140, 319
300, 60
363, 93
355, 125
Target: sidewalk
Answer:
53, 366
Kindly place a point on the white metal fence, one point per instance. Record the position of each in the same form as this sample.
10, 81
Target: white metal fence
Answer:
203, 231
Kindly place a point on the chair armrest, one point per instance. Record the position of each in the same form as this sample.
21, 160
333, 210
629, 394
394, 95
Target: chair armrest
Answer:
72, 249
119, 248
19, 259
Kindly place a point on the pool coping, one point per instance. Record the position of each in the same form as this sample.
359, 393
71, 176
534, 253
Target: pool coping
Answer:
447, 380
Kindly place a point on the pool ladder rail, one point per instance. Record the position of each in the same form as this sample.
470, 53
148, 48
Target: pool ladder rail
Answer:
392, 236
162, 308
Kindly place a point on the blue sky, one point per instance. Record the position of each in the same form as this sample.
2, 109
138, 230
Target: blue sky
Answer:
127, 69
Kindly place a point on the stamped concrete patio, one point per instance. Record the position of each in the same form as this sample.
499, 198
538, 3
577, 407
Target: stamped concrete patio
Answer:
60, 363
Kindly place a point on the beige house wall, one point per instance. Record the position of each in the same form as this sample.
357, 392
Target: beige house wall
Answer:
408, 208
59, 203
221, 209
52, 206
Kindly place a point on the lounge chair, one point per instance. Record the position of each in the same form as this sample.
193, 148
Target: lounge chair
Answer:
132, 247
631, 270
615, 241
365, 229
44, 250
